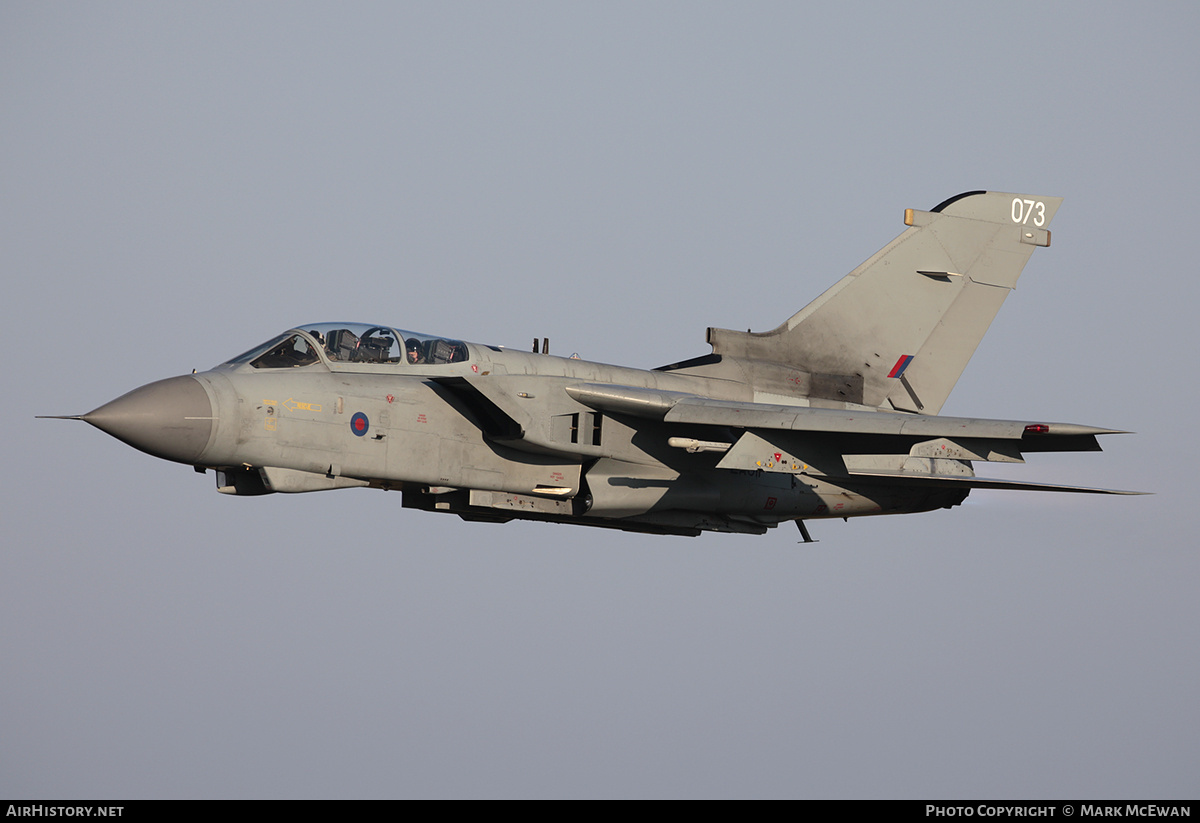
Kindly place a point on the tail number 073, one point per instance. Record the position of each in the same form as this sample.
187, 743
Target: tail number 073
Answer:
1022, 210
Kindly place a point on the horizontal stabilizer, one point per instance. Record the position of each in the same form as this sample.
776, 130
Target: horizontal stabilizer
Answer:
679, 407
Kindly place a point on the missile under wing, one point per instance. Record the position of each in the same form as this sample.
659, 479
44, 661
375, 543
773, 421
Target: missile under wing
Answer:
832, 414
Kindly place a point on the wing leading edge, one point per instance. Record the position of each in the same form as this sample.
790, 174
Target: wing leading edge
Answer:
912, 449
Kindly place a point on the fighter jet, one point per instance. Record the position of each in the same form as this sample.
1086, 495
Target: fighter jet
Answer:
834, 414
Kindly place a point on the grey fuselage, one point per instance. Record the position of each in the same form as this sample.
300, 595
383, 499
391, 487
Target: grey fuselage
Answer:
493, 436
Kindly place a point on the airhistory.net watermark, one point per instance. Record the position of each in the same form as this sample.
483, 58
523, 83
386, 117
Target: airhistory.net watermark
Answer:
40, 810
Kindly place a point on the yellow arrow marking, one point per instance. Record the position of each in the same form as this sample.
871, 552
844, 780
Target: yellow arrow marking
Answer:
294, 405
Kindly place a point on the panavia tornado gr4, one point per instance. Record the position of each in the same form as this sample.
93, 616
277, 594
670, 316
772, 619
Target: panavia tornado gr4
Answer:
832, 414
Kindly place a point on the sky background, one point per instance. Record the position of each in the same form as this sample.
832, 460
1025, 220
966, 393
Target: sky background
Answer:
179, 182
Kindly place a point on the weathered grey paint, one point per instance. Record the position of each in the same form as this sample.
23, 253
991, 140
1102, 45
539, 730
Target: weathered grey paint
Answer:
832, 414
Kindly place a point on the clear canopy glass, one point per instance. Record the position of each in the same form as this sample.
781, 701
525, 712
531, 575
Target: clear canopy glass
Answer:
353, 343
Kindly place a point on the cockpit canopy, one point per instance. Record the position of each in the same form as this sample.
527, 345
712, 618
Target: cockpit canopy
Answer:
352, 343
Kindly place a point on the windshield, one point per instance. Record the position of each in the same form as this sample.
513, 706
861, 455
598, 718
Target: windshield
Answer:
287, 351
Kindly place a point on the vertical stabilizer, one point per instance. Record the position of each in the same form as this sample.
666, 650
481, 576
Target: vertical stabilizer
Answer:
906, 321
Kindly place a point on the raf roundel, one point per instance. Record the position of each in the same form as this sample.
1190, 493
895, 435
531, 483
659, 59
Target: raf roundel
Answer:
359, 424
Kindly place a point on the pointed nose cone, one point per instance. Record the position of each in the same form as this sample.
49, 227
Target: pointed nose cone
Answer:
171, 419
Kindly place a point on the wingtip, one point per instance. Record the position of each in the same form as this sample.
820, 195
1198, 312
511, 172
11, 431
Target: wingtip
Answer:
1069, 429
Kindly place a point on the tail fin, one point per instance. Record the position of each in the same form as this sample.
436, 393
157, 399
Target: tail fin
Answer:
902, 326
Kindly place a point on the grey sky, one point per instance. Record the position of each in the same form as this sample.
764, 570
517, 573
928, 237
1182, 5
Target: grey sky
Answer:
179, 182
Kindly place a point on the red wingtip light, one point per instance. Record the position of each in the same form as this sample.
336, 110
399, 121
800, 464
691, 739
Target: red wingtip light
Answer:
1037, 428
